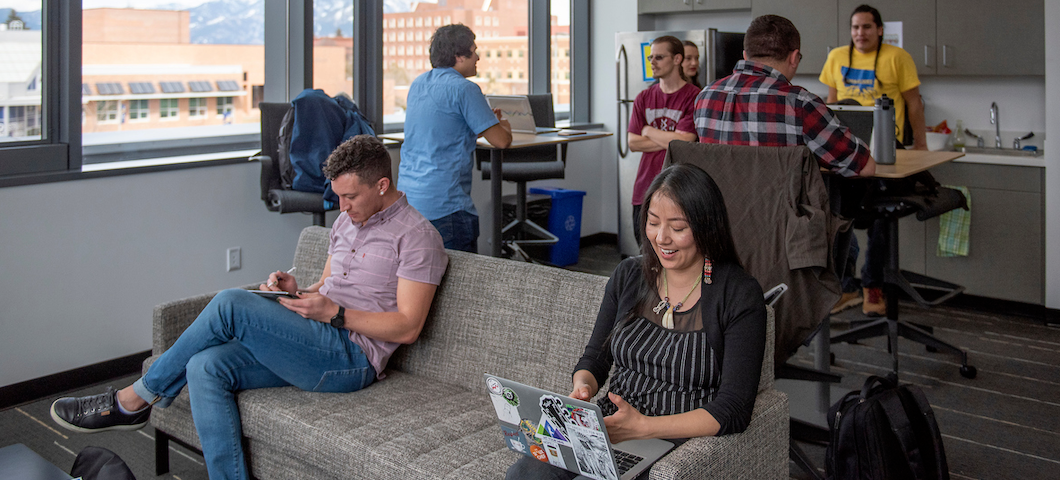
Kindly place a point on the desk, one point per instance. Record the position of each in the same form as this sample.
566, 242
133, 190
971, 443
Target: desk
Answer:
519, 140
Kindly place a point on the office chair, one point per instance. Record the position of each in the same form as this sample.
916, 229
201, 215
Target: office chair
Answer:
523, 165
276, 197
899, 200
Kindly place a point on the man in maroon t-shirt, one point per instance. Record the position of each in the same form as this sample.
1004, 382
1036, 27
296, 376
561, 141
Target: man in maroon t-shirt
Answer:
661, 113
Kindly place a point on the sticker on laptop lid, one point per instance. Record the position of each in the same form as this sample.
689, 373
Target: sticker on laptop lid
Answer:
510, 397
515, 439
552, 450
552, 409
494, 385
591, 453
583, 418
539, 453
506, 412
547, 429
529, 430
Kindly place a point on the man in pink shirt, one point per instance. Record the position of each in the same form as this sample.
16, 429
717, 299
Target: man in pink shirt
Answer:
384, 264
661, 113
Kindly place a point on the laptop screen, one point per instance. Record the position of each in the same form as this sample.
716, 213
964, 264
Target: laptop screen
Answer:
857, 118
516, 109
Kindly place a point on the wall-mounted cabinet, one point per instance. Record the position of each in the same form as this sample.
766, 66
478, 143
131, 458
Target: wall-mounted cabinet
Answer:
679, 6
816, 22
944, 37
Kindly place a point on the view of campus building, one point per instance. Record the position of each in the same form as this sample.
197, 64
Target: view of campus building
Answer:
142, 70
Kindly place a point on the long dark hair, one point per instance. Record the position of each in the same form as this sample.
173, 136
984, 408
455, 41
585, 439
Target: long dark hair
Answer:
700, 199
878, 20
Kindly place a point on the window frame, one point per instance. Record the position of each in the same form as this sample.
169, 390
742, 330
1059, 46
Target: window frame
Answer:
58, 155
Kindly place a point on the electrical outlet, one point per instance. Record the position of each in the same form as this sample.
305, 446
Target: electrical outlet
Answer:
233, 259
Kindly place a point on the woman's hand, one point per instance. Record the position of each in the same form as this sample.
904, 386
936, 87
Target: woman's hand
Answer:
627, 423
582, 391
313, 306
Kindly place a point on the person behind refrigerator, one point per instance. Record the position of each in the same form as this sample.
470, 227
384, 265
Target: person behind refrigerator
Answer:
863, 71
661, 113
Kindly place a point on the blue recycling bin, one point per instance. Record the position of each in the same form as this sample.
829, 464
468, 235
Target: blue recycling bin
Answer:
565, 222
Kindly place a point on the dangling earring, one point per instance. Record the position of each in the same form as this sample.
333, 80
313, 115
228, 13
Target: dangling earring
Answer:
707, 268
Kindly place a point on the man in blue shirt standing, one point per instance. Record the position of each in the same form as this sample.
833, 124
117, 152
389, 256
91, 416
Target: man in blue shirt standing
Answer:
446, 114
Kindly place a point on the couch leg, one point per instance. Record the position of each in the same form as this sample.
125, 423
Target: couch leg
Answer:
161, 452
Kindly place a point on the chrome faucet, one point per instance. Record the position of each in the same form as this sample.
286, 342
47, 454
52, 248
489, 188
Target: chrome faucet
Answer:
997, 125
1016, 143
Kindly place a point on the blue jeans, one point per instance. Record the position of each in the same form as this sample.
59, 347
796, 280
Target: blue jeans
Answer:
875, 259
459, 231
242, 341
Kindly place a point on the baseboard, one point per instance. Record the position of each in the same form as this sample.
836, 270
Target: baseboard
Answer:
53, 385
1052, 317
1032, 311
600, 238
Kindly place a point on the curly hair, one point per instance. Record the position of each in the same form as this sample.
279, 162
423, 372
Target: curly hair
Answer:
362, 155
772, 37
449, 42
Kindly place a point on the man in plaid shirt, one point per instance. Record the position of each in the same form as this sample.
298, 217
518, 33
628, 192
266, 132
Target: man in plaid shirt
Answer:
757, 105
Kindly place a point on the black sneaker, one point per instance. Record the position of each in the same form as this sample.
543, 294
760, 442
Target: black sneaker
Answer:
96, 413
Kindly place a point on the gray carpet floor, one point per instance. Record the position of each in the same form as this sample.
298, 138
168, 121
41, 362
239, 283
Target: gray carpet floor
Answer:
1004, 424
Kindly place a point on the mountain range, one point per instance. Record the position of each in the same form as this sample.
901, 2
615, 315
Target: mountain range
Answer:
243, 21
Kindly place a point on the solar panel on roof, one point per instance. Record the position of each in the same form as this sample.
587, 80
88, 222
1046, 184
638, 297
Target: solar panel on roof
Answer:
109, 88
86, 89
172, 87
227, 85
200, 86
141, 87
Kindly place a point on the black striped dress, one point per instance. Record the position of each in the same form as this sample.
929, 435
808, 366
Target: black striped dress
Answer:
661, 371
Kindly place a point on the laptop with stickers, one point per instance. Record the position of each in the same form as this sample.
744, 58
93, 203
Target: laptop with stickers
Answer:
516, 109
567, 432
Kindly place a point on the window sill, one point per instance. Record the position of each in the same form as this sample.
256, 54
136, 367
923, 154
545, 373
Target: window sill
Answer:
133, 167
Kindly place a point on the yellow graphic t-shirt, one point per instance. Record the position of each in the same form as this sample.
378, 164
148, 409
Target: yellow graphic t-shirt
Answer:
895, 73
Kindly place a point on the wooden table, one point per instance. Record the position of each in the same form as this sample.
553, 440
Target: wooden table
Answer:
910, 162
519, 140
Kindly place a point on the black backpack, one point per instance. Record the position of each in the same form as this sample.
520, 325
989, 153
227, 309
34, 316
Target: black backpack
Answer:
98, 463
885, 431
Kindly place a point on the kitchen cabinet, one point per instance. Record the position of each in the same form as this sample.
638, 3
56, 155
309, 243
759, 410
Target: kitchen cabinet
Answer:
679, 6
918, 28
816, 21
987, 37
1006, 242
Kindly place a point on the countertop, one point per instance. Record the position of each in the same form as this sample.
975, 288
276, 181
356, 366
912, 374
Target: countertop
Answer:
1038, 161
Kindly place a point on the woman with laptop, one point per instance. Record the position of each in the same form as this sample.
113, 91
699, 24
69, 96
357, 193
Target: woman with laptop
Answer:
683, 325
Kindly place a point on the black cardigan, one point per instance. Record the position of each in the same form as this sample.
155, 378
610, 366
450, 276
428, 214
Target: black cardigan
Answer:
734, 316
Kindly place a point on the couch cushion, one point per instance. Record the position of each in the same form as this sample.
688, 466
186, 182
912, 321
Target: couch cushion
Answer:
526, 322
404, 427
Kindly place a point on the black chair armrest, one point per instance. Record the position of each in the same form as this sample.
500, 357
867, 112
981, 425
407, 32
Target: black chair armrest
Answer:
287, 201
270, 178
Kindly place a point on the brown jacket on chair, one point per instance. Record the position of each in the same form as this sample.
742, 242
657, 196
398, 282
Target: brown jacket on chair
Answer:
782, 225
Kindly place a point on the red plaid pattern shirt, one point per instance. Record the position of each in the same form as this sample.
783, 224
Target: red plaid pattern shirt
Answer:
758, 106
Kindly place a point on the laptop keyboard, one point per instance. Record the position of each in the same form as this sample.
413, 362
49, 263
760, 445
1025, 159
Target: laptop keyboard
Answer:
626, 461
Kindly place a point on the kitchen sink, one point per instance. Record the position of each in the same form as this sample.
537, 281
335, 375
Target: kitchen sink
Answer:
1007, 152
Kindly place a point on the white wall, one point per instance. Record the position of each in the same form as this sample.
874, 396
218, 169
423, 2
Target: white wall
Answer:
84, 262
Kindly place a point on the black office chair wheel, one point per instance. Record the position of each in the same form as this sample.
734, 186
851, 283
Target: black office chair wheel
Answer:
968, 371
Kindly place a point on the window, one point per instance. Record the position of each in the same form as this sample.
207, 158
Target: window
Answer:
559, 43
169, 108
20, 70
138, 110
107, 111
224, 106
196, 107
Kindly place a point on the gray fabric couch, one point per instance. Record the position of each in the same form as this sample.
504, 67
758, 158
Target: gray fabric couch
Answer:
431, 417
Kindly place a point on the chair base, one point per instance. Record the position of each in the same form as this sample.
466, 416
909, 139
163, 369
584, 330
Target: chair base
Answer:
896, 328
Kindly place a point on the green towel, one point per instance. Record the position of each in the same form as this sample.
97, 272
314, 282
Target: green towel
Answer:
954, 228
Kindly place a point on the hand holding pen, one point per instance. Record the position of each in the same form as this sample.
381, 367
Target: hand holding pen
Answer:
281, 281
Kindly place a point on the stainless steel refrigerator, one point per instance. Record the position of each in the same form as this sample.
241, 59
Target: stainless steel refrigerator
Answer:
718, 53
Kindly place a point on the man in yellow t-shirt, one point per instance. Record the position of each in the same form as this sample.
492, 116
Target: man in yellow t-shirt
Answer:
868, 68
864, 71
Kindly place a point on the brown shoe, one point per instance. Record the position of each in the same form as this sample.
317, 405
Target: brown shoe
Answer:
875, 303
848, 300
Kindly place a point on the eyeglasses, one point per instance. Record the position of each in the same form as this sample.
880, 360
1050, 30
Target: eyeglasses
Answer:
800, 56
658, 58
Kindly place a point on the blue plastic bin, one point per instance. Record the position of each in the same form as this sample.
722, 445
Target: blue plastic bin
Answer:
565, 222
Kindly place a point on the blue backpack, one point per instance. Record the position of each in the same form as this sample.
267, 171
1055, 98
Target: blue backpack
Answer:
309, 132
